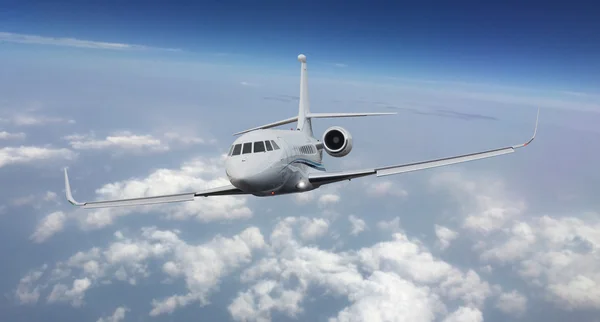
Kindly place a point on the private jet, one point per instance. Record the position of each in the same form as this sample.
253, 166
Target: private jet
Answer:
270, 162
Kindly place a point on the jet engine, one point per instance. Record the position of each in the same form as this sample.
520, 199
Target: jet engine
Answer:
337, 141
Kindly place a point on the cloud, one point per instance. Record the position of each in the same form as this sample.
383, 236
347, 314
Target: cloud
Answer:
50, 196
555, 256
36, 201
244, 83
72, 42
30, 154
329, 199
392, 225
340, 65
445, 236
23, 200
184, 139
386, 188
12, 136
200, 266
33, 120
117, 316
27, 292
124, 141
74, 295
358, 225
50, 225
127, 142
465, 314
391, 280
194, 175
513, 303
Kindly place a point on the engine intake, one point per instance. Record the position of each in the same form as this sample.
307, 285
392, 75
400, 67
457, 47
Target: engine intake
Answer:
337, 141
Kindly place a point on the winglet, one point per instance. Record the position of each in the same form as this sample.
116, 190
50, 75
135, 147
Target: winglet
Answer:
534, 132
68, 192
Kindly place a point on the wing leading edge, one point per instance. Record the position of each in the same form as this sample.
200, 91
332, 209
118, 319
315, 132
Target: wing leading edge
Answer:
319, 179
219, 191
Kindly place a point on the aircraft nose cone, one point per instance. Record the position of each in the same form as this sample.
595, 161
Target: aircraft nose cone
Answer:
240, 177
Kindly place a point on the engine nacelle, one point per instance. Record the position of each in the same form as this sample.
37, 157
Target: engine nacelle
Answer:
337, 141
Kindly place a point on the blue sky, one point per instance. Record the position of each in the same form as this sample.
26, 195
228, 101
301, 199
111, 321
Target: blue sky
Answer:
100, 90
536, 44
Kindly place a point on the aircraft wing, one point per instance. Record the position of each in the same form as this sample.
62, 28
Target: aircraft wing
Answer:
219, 191
319, 179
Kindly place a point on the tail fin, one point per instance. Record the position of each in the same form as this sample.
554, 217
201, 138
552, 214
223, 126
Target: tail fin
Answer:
304, 115
304, 123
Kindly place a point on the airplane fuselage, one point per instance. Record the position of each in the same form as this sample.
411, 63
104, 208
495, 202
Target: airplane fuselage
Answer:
273, 162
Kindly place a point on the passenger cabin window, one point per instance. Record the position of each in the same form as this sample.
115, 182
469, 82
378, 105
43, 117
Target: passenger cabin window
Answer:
269, 147
247, 148
275, 145
259, 146
236, 149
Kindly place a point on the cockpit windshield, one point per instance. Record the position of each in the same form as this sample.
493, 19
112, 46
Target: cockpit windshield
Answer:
253, 147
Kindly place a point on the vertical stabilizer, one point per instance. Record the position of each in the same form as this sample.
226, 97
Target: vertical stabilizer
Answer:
304, 123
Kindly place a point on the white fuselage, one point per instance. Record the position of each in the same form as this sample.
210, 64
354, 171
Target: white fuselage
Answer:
272, 162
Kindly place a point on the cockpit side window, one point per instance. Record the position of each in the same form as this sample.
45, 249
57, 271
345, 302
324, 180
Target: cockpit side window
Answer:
275, 145
259, 146
236, 149
268, 145
230, 150
247, 148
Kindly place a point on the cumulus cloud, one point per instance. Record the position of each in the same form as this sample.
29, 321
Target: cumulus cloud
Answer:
358, 225
74, 295
513, 303
555, 255
445, 235
465, 314
72, 42
31, 154
27, 292
50, 225
194, 175
329, 199
117, 316
396, 280
201, 266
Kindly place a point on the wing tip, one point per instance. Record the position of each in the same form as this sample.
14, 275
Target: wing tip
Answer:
537, 119
68, 193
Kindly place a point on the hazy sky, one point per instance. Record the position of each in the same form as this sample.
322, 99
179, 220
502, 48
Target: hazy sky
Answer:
140, 99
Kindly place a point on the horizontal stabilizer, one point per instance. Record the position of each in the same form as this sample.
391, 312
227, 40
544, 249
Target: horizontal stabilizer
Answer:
312, 116
334, 115
270, 125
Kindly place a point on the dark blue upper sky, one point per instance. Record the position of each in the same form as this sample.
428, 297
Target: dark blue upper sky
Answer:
536, 44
